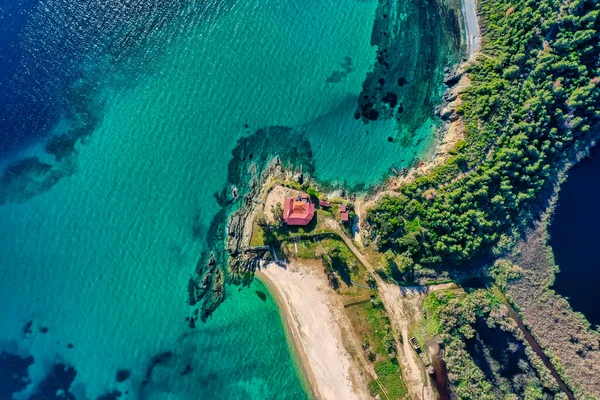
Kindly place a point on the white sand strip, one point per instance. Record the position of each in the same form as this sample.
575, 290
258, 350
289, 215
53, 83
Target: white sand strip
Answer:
315, 318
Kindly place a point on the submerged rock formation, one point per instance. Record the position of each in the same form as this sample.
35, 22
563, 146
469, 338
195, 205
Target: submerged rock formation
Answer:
206, 288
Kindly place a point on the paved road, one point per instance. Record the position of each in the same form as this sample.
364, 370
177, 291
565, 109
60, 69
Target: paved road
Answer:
473, 35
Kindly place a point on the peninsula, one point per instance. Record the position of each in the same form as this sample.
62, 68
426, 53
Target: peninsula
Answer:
423, 287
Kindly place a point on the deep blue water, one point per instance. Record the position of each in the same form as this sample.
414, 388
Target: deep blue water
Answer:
575, 237
25, 88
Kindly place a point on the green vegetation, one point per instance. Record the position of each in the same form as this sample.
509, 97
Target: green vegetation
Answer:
277, 211
389, 374
338, 261
258, 236
430, 326
337, 264
502, 272
533, 105
314, 194
372, 325
485, 354
534, 101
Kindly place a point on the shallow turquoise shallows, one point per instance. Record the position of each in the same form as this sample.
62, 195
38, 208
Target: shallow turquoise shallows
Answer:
98, 241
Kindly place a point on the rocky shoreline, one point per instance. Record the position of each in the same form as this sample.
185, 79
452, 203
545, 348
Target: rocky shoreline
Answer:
206, 287
241, 263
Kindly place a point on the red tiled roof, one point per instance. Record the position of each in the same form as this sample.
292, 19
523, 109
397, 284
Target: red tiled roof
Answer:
298, 211
344, 216
342, 207
324, 203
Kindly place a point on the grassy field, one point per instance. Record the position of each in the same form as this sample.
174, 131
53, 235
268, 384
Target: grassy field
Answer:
258, 236
372, 326
429, 326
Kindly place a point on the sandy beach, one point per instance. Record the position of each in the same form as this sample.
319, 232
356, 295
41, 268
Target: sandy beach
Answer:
315, 320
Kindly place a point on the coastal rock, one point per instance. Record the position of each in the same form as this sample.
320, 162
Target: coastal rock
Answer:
235, 231
243, 267
450, 96
446, 113
452, 79
216, 296
206, 287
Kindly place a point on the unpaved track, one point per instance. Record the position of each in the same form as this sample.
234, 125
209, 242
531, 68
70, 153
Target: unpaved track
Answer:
401, 306
400, 303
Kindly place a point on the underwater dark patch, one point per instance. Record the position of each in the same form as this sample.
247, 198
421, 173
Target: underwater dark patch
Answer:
27, 328
14, 374
158, 359
391, 99
122, 375
261, 295
434, 44
337, 76
113, 395
56, 384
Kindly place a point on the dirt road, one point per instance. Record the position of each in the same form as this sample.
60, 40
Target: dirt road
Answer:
401, 303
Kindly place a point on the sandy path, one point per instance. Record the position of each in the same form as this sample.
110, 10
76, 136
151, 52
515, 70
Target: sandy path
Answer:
394, 299
401, 305
315, 318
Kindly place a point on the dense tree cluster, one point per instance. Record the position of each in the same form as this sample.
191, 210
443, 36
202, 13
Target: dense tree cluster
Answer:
534, 99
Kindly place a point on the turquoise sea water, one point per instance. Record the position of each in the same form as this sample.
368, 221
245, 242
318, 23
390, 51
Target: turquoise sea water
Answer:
106, 204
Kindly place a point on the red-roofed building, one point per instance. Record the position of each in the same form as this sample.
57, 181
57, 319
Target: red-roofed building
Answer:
345, 216
298, 210
324, 203
344, 212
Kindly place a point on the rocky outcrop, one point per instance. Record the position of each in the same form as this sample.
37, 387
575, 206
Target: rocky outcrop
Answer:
456, 81
235, 227
242, 265
206, 288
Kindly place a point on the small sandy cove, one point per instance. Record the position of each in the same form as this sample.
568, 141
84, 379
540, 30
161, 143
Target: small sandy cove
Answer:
315, 320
